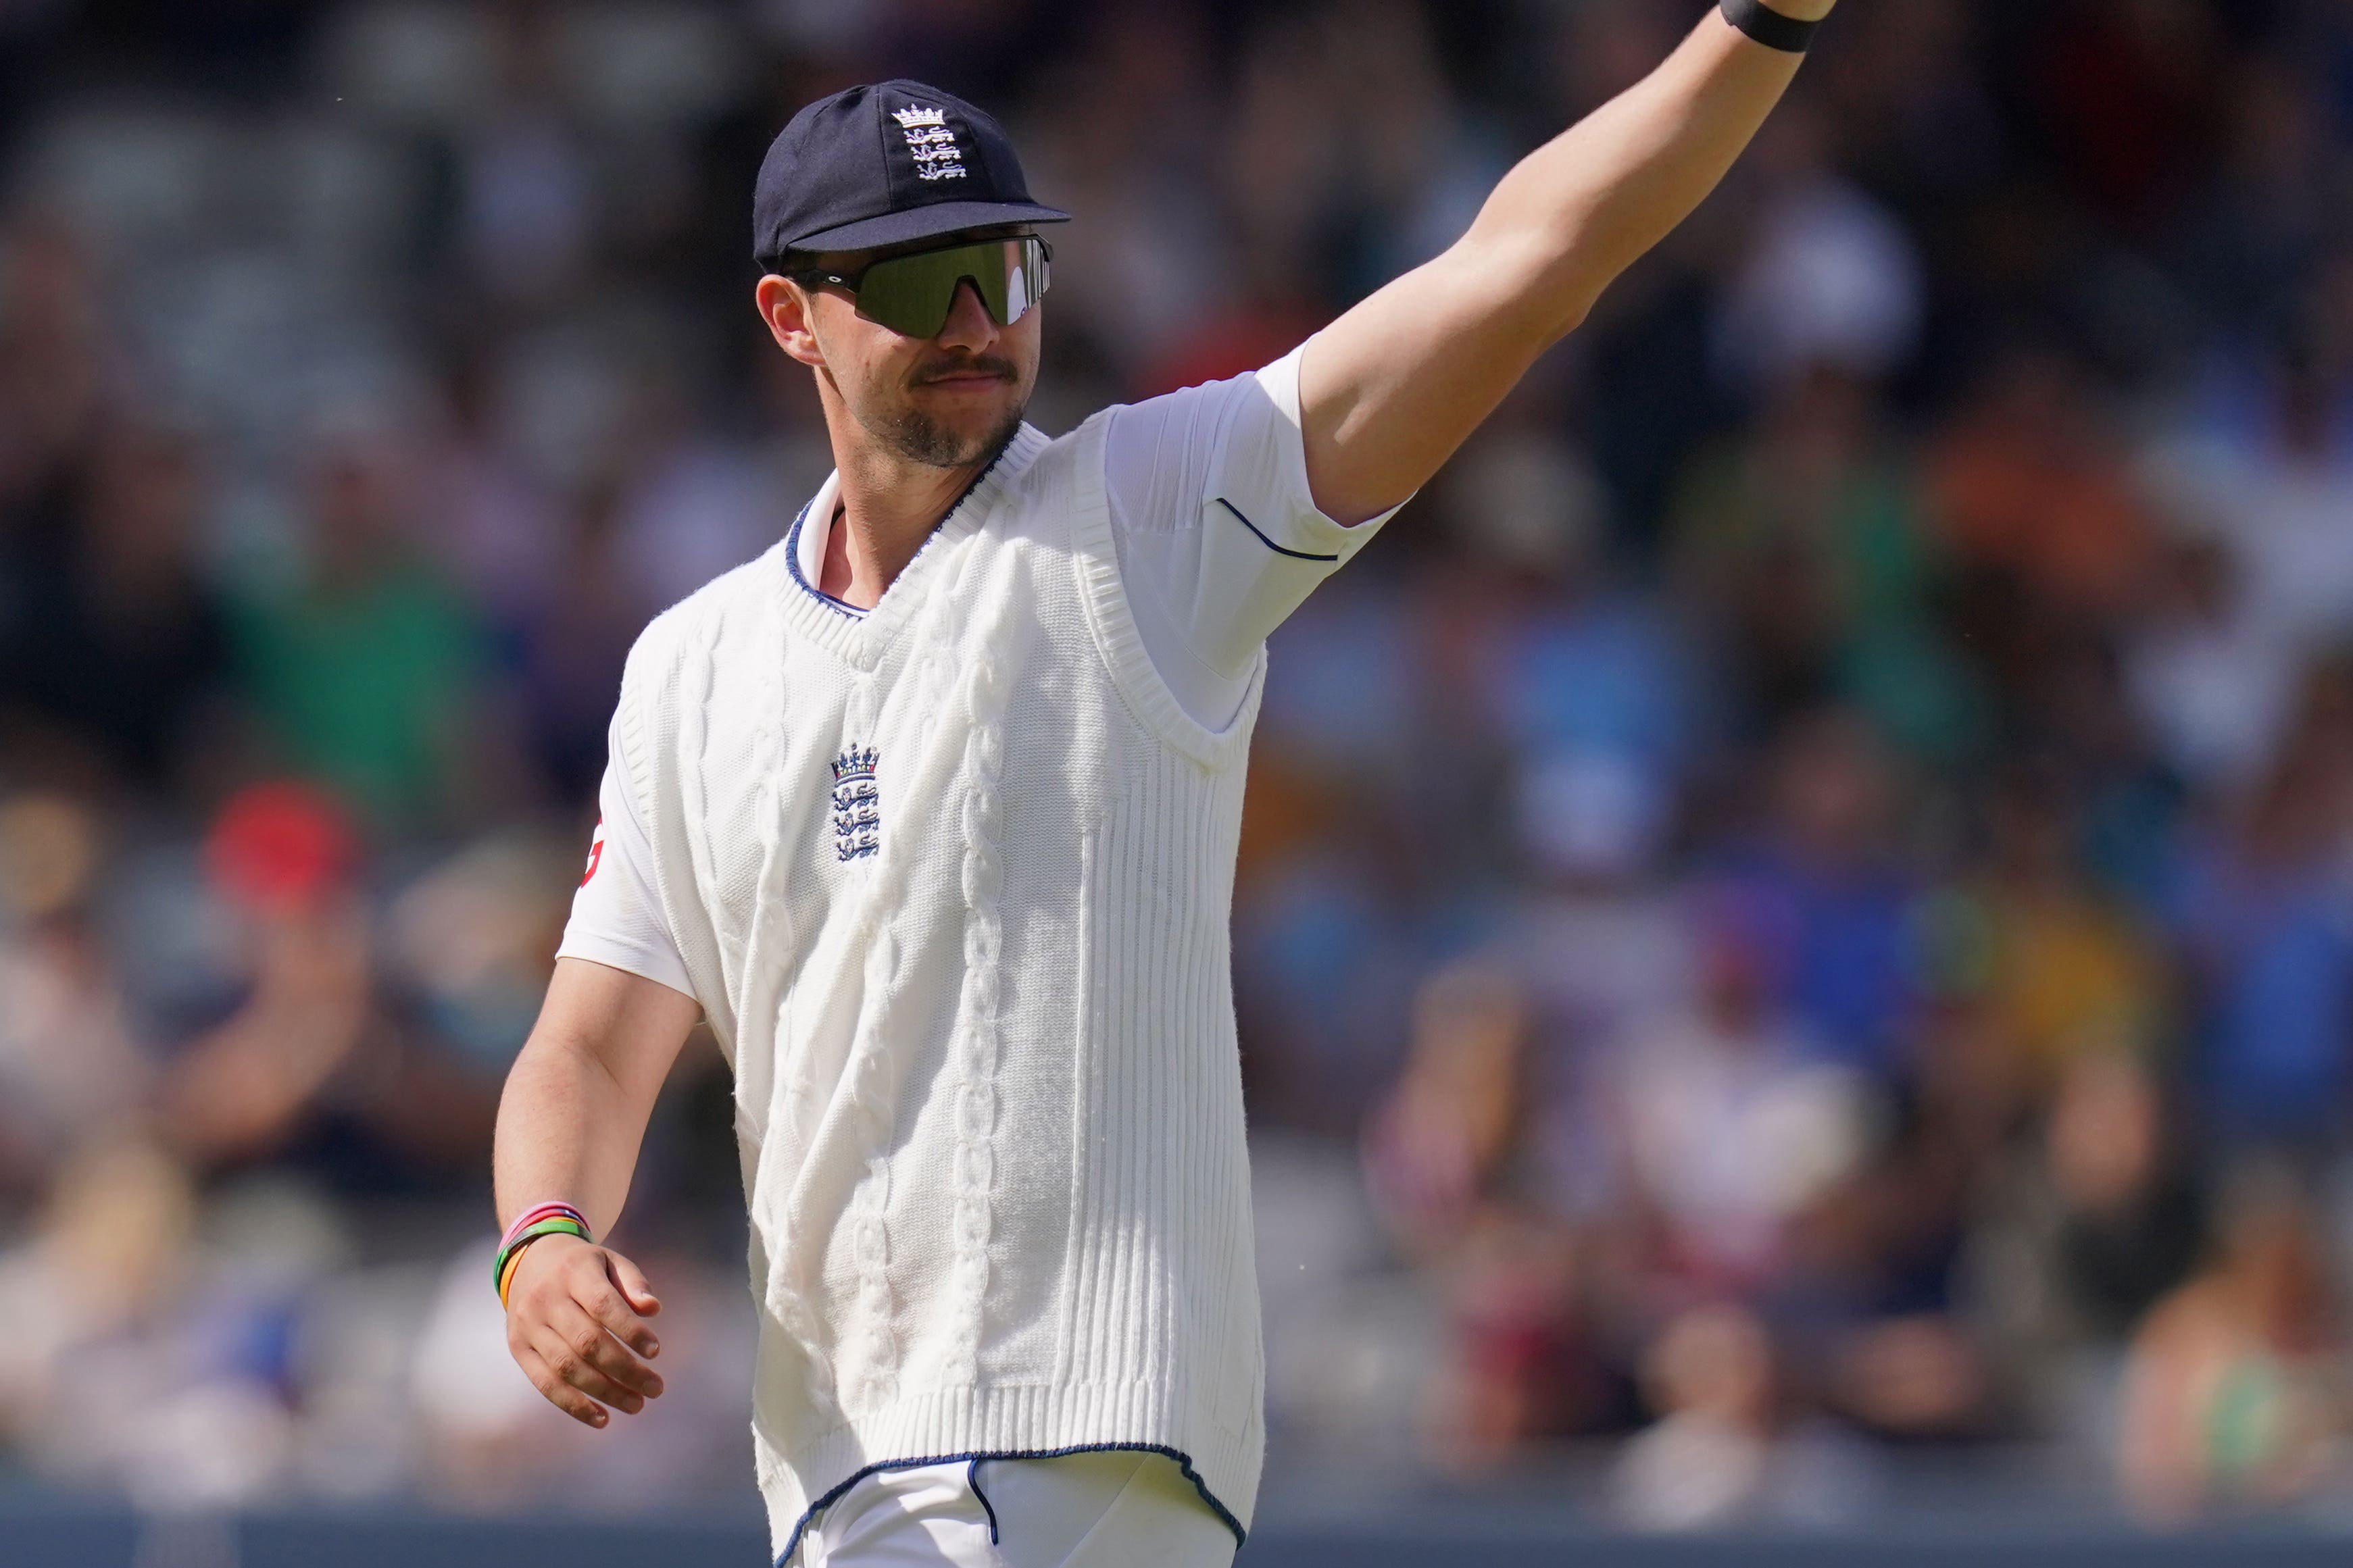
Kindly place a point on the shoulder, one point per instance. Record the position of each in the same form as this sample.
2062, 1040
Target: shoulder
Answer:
1162, 456
1040, 476
1196, 415
718, 614
1032, 459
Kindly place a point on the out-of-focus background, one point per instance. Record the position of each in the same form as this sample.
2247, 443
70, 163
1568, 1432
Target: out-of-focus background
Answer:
1795, 934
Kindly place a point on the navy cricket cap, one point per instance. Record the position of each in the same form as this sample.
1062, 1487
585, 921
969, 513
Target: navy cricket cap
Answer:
883, 165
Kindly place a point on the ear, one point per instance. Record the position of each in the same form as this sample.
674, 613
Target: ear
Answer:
788, 307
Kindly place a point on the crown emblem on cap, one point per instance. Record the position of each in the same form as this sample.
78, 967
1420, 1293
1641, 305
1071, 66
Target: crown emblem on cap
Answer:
929, 142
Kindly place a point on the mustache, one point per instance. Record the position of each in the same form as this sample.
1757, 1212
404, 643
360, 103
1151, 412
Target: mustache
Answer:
973, 365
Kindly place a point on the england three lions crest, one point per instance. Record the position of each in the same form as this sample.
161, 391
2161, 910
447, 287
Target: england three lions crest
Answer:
857, 805
929, 142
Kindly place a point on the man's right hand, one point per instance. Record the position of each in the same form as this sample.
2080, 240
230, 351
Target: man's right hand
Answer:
575, 1325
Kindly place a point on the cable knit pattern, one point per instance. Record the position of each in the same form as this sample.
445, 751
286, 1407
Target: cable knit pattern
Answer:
987, 1088
974, 1167
871, 1223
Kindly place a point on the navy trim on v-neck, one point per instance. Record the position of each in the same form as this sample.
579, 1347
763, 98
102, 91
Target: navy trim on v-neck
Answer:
793, 536
793, 564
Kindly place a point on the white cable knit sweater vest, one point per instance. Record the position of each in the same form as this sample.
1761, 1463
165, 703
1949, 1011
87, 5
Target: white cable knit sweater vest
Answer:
987, 1092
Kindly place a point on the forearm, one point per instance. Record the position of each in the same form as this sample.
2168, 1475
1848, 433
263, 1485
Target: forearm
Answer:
1388, 392
579, 1095
568, 1132
243, 1087
1579, 210
569, 1126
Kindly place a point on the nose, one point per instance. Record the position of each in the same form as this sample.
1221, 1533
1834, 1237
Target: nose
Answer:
969, 325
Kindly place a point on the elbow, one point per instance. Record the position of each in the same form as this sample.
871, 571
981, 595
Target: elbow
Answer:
552, 1061
1552, 313
1537, 282
1553, 300
1575, 286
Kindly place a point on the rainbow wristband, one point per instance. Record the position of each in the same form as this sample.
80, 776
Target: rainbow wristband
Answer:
502, 1269
534, 1215
547, 1219
507, 1274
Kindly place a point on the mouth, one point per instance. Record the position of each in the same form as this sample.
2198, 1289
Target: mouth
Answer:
966, 378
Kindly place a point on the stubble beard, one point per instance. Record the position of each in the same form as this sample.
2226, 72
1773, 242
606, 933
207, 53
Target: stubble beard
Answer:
913, 434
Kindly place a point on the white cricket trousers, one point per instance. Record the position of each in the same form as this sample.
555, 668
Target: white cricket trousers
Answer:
1116, 1510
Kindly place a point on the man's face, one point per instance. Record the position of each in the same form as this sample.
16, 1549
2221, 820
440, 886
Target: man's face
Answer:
948, 402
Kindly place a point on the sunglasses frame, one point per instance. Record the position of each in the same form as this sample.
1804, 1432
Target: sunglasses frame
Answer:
853, 282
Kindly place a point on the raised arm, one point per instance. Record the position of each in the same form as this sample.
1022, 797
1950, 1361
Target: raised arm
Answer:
574, 1114
1389, 391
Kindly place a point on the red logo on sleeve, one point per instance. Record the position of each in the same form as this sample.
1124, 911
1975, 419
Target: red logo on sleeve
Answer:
596, 853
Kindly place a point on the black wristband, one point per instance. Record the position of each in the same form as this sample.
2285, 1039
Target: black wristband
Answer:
1769, 27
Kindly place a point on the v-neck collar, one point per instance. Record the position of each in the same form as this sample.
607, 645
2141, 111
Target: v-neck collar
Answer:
859, 637
805, 545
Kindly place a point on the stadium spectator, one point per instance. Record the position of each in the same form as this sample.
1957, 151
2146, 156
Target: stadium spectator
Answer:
2081, 1231
119, 648
1829, 886
366, 665
2225, 1398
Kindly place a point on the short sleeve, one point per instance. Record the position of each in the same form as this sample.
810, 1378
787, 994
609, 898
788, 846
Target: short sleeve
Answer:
617, 918
1220, 538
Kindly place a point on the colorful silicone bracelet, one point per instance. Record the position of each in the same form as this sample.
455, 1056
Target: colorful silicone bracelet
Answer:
511, 1249
534, 1215
553, 1225
507, 1274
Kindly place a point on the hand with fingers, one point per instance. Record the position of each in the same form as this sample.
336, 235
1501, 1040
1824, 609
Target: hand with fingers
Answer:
576, 1325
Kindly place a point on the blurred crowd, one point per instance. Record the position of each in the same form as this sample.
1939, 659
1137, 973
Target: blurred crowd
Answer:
1796, 911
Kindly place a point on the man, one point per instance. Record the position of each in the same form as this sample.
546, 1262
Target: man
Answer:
932, 811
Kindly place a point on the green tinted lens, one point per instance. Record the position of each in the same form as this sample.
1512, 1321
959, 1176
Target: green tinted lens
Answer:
913, 294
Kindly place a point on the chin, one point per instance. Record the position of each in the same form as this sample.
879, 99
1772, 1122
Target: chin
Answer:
974, 436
